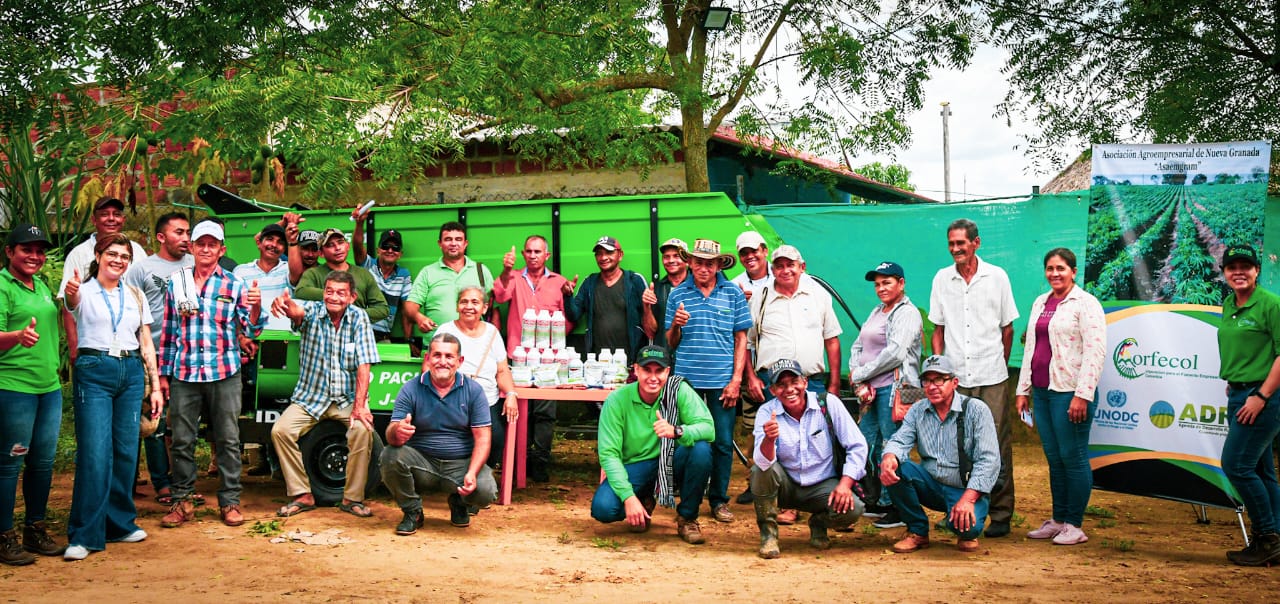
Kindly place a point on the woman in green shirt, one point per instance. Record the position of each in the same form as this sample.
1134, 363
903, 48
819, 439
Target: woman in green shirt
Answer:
1249, 346
30, 394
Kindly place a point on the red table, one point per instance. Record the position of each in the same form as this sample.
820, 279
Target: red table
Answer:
517, 445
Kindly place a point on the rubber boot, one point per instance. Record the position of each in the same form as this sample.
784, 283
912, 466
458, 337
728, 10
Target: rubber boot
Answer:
1266, 553
767, 520
818, 531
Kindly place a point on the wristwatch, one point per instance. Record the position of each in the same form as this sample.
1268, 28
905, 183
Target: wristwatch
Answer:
679, 431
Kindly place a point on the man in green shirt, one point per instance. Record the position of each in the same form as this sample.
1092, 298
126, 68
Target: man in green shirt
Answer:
433, 301
654, 434
334, 247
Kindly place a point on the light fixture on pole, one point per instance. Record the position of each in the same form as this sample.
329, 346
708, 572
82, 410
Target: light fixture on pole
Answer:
716, 18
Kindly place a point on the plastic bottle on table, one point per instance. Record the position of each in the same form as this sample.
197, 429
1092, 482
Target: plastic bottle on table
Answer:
562, 372
557, 330
534, 358
519, 357
542, 338
575, 366
528, 327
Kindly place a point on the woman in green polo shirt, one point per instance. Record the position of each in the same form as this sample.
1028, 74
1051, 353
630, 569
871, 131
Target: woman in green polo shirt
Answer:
1249, 345
30, 394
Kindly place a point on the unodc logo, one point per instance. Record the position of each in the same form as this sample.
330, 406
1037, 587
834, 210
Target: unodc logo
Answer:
1161, 414
1122, 358
1117, 398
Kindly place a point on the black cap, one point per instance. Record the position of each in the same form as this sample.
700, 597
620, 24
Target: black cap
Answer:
782, 366
654, 354
608, 243
309, 238
390, 236
272, 229
888, 269
105, 201
25, 232
1240, 252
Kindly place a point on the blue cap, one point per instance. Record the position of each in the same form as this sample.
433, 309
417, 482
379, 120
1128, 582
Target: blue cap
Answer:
782, 366
888, 269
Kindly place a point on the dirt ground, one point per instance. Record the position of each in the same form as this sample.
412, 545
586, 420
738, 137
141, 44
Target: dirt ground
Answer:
546, 548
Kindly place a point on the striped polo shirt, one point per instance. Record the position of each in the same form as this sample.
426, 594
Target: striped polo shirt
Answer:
705, 354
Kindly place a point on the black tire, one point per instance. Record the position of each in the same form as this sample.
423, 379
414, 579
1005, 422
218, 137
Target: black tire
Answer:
324, 454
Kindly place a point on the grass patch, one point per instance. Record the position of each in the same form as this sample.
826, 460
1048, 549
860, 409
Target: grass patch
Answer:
607, 543
270, 528
1098, 511
1106, 523
565, 538
1120, 545
1018, 520
870, 529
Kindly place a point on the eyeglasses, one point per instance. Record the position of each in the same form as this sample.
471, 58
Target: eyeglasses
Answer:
937, 381
390, 247
117, 256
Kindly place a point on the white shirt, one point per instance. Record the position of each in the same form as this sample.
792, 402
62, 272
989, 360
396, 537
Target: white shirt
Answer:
81, 256
270, 284
481, 367
973, 315
94, 316
793, 327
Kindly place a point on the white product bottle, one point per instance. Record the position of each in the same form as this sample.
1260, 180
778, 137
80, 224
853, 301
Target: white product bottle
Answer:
620, 359
591, 375
562, 372
528, 327
605, 356
557, 330
519, 357
575, 367
542, 339
534, 358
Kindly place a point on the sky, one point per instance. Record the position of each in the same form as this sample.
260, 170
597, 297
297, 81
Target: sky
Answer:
986, 153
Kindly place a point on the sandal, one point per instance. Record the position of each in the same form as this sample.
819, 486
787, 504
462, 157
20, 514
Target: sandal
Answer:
164, 497
356, 508
294, 508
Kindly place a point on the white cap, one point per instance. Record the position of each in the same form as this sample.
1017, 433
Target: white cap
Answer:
787, 251
207, 227
749, 240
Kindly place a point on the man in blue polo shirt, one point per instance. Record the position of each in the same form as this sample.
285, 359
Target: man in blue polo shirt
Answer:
707, 320
439, 438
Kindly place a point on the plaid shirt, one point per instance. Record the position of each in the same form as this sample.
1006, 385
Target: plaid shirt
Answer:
204, 347
330, 357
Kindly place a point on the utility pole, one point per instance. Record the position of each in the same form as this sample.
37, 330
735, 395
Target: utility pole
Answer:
946, 153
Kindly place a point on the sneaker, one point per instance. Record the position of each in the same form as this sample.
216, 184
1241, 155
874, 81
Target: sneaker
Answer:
231, 515
75, 552
689, 530
410, 523
11, 551
890, 520
36, 540
875, 511
910, 543
722, 513
1070, 535
967, 546
995, 530
135, 537
179, 513
788, 517
458, 515
1048, 530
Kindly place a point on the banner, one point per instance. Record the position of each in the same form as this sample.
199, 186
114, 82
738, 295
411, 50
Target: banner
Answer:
1160, 217
1162, 412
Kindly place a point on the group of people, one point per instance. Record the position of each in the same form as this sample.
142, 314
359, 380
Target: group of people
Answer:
172, 330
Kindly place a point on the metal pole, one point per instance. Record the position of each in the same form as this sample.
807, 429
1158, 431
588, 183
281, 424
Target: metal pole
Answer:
946, 152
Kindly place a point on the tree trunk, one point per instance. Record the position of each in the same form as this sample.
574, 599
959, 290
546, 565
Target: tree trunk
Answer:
694, 141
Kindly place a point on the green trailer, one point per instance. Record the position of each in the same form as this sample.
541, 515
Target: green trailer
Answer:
571, 226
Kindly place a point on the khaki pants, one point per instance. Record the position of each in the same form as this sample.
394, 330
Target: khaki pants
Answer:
294, 422
1002, 410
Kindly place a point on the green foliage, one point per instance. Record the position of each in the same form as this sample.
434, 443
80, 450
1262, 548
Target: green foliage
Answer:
1098, 512
269, 528
1119, 70
607, 543
896, 175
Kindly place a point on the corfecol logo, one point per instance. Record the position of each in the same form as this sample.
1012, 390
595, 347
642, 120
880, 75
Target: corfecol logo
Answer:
1117, 398
1161, 414
1122, 358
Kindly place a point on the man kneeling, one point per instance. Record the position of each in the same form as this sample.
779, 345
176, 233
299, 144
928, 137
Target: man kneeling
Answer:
328, 390
808, 455
439, 438
654, 435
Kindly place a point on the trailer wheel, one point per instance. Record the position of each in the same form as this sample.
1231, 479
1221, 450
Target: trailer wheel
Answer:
324, 454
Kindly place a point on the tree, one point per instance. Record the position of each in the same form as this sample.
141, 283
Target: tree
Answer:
389, 87
1168, 71
893, 174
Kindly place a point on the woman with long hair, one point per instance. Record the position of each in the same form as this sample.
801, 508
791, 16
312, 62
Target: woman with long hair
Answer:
30, 394
116, 360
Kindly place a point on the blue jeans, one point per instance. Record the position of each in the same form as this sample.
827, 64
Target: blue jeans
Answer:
917, 488
877, 428
1066, 448
693, 467
721, 447
108, 404
29, 439
1247, 460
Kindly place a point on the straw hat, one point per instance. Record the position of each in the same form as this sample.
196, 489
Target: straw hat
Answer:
708, 249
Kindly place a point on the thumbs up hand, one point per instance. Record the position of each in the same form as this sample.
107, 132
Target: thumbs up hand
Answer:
662, 427
681, 317
569, 286
404, 430
649, 297
771, 427
29, 337
509, 259
72, 290
254, 296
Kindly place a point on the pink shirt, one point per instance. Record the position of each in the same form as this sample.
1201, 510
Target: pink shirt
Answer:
522, 295
1078, 339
